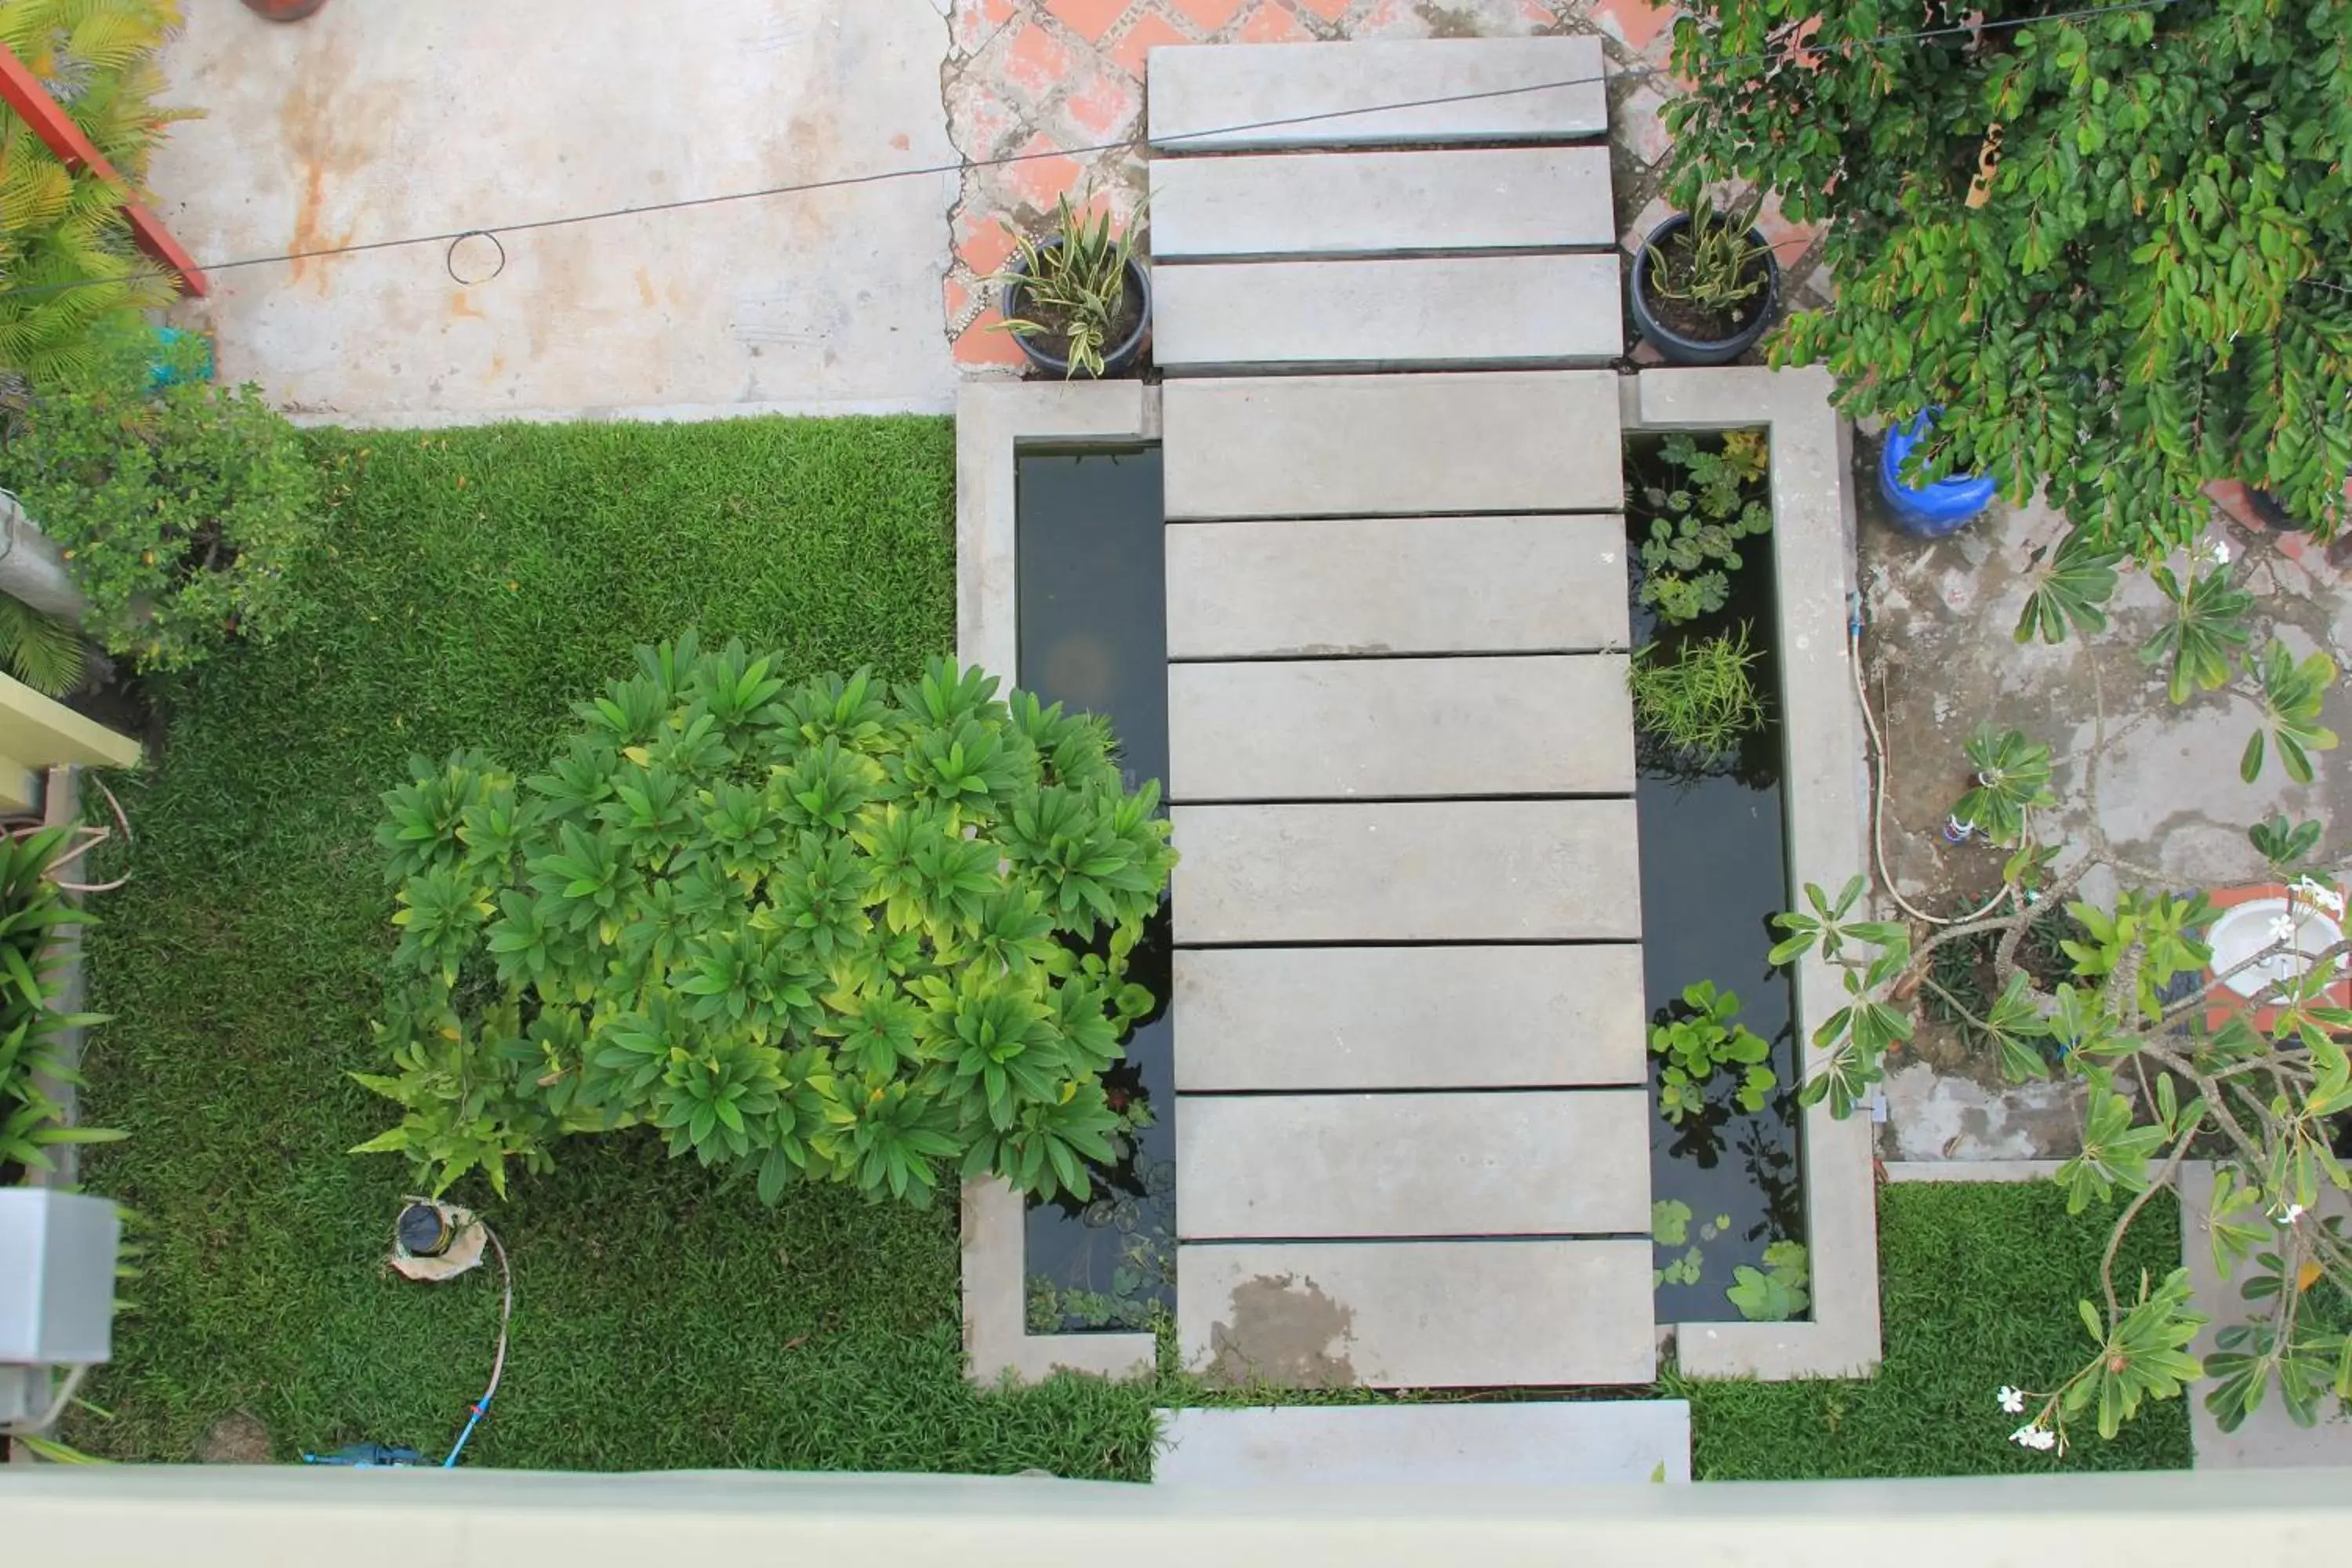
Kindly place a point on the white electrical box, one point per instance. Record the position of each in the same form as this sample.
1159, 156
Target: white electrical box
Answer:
57, 1277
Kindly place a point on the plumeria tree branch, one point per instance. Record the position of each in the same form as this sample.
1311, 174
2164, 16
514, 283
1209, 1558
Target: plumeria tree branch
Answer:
2176, 1061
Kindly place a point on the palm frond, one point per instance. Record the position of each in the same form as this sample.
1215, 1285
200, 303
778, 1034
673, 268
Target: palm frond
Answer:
45, 654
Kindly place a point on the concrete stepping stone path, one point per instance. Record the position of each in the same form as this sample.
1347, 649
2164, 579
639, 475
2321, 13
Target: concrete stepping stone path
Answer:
1396, 728
1392, 446
1417, 1313
1413, 1123
1380, 204
1391, 313
1228, 99
1258, 1018
1333, 587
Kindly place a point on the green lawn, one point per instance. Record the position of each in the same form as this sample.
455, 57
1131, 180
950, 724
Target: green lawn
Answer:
479, 582
1979, 1284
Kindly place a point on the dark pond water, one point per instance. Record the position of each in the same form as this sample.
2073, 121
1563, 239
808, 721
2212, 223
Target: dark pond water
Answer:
1714, 872
1092, 579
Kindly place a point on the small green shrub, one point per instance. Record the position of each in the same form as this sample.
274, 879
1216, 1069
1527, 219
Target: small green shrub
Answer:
32, 912
181, 509
808, 932
1703, 699
1691, 510
1702, 1036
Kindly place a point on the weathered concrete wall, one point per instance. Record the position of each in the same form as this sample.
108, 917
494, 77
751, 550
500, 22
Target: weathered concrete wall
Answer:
374, 121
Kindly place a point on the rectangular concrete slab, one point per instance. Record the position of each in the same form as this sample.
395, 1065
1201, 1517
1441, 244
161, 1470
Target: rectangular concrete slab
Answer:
1536, 1444
1335, 729
1377, 586
1371, 204
1375, 446
1408, 1017
1418, 1314
1415, 312
1512, 1162
1457, 871
1335, 95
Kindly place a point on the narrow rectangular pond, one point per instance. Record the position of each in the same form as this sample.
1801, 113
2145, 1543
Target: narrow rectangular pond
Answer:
1726, 1181
1091, 569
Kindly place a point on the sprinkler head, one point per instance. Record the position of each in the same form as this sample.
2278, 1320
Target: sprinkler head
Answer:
423, 1230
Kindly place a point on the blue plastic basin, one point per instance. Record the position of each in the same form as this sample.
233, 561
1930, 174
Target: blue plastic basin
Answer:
1929, 512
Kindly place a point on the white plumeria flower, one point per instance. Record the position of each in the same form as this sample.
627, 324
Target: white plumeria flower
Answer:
2319, 896
2012, 1400
2037, 1437
2282, 928
2217, 553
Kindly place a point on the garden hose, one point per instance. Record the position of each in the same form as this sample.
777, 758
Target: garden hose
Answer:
498, 1362
1876, 762
381, 1455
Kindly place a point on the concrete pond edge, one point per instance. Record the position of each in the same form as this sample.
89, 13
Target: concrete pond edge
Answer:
1813, 527
1814, 544
993, 419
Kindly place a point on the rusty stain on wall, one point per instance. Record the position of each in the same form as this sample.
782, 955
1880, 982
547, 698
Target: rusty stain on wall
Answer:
329, 131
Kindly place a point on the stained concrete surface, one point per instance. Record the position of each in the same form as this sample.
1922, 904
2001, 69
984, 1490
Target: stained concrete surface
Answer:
1545, 1442
376, 121
1939, 662
1418, 1314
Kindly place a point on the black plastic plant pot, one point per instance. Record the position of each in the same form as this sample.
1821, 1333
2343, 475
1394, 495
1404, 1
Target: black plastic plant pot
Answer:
1679, 348
1117, 357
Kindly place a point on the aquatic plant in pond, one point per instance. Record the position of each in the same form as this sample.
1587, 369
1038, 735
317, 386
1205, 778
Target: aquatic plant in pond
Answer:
1700, 1034
1713, 871
1689, 507
1702, 698
1777, 1291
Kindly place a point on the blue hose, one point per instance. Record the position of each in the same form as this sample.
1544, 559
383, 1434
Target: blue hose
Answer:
471, 1422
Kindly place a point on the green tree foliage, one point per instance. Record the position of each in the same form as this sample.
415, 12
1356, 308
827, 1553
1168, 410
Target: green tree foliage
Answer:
71, 271
2154, 293
812, 932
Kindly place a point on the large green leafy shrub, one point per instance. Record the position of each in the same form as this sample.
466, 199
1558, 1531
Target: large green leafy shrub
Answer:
71, 267
2156, 290
812, 932
181, 509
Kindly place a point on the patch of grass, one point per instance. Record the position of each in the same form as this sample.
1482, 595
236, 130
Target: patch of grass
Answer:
477, 582
1978, 1286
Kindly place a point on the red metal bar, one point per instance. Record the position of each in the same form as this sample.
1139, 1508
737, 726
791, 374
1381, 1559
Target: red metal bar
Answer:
21, 91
